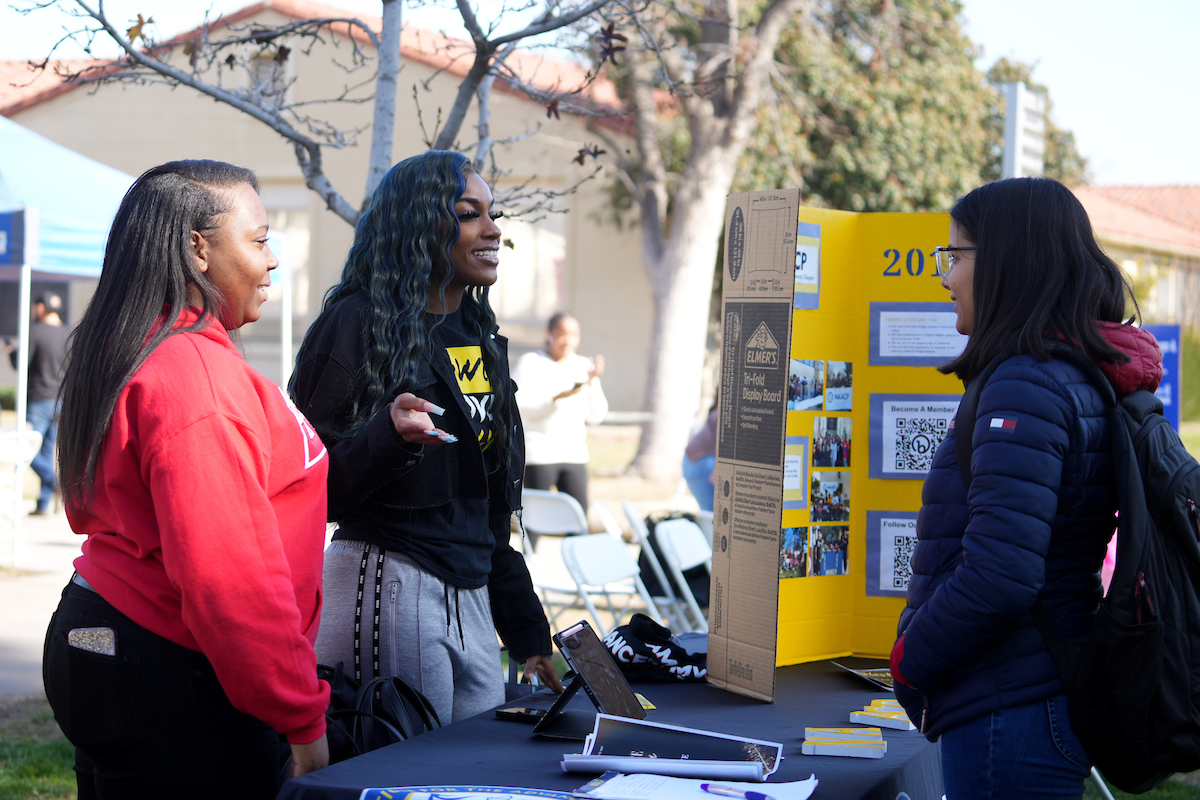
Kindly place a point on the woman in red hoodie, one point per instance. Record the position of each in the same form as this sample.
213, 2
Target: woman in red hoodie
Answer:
183, 646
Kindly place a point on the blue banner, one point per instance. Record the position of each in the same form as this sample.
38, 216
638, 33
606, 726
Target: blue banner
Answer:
12, 238
1170, 389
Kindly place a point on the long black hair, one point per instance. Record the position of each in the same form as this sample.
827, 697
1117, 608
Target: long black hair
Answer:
403, 236
1038, 273
149, 270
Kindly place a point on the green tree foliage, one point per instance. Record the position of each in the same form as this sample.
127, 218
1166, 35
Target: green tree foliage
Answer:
878, 107
1063, 160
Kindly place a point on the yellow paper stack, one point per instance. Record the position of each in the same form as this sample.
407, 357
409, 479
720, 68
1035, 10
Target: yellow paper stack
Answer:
885, 713
851, 742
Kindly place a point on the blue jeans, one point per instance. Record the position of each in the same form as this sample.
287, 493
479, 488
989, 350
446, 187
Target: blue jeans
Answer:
1025, 752
43, 416
697, 474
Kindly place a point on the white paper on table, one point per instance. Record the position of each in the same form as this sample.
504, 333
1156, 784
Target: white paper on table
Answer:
681, 767
659, 787
614, 734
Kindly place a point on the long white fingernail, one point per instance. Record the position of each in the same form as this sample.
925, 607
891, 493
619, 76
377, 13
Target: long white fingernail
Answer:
432, 433
436, 409
449, 438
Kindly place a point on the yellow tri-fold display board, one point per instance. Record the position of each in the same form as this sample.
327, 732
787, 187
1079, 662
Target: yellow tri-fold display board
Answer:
830, 408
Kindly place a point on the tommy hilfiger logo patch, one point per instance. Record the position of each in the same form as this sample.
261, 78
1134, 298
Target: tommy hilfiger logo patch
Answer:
1000, 423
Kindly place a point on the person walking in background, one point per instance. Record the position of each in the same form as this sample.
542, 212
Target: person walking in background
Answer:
700, 459
970, 666
47, 352
407, 332
183, 647
559, 394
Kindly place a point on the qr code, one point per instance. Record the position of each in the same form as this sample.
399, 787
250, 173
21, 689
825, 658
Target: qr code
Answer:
902, 560
917, 438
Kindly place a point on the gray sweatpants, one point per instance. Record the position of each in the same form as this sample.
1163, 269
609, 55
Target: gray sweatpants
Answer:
434, 636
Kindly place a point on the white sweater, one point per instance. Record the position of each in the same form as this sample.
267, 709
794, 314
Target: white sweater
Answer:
555, 431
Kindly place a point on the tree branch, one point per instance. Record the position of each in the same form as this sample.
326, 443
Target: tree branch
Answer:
549, 22
387, 72
310, 164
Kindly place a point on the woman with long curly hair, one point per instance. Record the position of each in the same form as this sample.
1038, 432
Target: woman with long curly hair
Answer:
185, 641
420, 565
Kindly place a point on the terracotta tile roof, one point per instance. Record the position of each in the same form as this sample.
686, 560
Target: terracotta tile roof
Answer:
21, 88
1139, 225
1179, 204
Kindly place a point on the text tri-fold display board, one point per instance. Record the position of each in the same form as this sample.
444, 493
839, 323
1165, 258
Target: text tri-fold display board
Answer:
830, 409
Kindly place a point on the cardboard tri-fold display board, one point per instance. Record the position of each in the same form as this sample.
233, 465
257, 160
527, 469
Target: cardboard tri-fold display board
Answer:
830, 409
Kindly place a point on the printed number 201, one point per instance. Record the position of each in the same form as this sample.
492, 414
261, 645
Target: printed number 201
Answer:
914, 263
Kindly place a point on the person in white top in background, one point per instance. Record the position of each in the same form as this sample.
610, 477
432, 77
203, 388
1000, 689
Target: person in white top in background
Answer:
558, 392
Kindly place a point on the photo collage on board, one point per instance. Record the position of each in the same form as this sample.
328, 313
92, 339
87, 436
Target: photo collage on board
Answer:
822, 547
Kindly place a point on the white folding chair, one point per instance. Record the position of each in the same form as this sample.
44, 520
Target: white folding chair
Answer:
605, 515
705, 520
597, 564
555, 517
551, 516
676, 612
683, 546
553, 513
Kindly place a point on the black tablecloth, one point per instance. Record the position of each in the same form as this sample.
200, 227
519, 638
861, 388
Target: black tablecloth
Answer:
487, 751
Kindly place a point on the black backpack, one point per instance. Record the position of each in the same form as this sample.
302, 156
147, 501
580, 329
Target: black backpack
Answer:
1133, 684
376, 713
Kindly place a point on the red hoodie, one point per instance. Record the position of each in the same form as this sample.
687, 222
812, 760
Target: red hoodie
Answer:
208, 523
1144, 370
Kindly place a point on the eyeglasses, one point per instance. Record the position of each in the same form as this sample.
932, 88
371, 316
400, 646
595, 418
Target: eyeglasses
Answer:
945, 259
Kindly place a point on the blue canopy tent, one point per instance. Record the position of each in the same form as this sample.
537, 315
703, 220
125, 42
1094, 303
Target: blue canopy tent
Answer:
75, 199
56, 207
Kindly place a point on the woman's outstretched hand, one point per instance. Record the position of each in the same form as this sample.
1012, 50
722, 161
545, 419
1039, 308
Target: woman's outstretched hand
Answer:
543, 667
410, 418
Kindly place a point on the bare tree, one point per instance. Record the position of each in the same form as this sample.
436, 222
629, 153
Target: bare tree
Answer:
715, 71
241, 65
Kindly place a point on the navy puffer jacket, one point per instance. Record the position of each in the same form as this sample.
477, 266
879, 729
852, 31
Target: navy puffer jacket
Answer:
1036, 525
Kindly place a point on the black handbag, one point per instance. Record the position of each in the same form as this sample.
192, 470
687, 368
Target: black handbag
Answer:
365, 717
372, 713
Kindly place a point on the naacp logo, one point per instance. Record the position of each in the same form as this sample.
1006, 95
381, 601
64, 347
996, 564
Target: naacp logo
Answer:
762, 350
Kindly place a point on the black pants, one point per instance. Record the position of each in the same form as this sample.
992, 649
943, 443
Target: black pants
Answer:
567, 478
151, 721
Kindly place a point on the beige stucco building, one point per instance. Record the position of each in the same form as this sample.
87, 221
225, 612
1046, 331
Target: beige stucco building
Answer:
1153, 232
574, 260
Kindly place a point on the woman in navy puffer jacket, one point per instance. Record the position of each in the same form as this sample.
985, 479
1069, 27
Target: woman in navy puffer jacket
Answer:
970, 665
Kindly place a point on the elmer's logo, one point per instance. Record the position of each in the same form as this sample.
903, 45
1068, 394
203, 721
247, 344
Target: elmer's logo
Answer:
762, 350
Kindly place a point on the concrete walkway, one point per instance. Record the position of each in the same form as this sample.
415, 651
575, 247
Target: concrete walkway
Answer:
29, 594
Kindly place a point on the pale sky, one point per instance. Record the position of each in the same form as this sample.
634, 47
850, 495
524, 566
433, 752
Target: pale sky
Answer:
1123, 75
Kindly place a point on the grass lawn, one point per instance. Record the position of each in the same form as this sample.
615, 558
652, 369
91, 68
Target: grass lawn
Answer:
1189, 432
1171, 790
35, 759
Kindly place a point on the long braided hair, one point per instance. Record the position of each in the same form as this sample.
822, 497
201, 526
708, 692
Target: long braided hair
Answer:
406, 231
